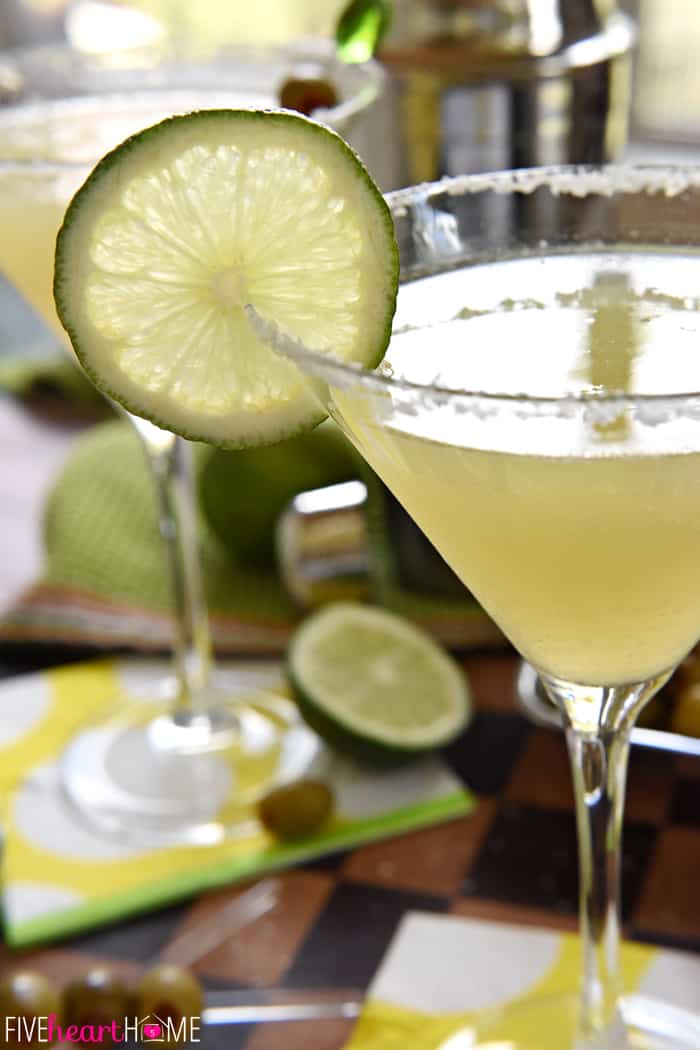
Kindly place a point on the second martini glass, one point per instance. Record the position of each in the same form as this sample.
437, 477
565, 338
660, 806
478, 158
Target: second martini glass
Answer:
188, 774
538, 415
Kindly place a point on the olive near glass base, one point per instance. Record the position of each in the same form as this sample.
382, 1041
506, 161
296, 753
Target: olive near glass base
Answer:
155, 779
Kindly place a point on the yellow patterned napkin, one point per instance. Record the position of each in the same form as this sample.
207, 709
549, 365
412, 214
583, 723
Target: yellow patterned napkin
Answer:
441, 970
59, 877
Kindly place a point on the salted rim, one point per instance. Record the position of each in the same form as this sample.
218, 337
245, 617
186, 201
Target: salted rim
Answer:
370, 75
563, 180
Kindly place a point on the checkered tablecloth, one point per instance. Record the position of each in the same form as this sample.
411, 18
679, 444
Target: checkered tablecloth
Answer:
337, 916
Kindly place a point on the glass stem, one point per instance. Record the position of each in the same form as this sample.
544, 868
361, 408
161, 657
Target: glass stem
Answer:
598, 722
170, 460
599, 765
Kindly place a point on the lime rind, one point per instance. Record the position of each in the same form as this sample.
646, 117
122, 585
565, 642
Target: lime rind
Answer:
186, 221
374, 685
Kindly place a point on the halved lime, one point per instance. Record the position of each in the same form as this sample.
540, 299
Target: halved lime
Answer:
181, 226
374, 685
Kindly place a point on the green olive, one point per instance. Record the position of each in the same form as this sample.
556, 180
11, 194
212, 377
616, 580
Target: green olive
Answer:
307, 94
295, 810
26, 994
169, 994
98, 998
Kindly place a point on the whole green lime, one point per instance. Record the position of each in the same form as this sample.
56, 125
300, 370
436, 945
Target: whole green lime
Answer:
243, 492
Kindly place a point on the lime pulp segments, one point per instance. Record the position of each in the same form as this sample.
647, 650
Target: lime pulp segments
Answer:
374, 685
181, 226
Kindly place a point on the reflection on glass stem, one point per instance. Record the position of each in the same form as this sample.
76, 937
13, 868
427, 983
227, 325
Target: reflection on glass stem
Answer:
170, 461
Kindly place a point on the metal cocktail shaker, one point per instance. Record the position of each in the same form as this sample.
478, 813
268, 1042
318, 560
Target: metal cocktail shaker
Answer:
481, 85
475, 86
354, 541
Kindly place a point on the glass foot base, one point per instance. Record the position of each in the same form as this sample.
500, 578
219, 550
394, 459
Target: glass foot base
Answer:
550, 1024
151, 779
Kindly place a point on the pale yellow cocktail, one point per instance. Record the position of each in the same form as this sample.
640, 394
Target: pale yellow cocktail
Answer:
587, 558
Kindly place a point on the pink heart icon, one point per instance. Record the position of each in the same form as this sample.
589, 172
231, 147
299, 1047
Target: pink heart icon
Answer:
151, 1031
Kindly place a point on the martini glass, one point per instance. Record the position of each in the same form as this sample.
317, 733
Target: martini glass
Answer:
538, 414
188, 771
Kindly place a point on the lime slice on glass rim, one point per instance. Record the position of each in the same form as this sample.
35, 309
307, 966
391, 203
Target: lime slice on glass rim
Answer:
374, 685
183, 225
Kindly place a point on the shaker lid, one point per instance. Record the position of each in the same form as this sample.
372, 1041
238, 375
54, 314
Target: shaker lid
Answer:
508, 36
